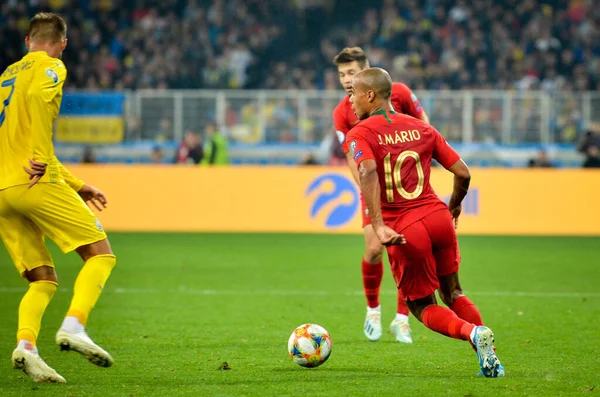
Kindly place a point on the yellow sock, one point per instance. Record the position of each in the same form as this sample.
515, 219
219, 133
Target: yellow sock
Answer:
32, 308
89, 284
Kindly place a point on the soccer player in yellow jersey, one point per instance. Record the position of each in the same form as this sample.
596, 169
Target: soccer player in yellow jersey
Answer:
39, 197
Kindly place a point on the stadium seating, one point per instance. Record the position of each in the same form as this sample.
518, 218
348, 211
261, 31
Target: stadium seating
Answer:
501, 44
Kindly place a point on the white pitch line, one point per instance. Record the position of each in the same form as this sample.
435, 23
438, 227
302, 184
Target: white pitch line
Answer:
208, 292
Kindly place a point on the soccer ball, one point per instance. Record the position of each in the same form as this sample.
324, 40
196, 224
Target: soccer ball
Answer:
309, 345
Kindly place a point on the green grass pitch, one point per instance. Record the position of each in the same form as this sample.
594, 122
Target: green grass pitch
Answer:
179, 305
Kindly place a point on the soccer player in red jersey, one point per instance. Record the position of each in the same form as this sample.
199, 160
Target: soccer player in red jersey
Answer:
349, 62
393, 153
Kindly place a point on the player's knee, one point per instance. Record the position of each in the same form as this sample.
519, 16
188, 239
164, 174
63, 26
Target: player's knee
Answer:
373, 247
373, 255
450, 289
417, 306
445, 297
449, 297
86, 252
42, 273
373, 252
416, 310
456, 293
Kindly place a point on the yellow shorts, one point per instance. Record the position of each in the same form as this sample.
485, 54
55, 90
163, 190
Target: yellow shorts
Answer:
51, 210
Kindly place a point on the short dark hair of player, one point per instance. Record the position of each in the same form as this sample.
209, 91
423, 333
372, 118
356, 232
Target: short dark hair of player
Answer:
351, 54
47, 27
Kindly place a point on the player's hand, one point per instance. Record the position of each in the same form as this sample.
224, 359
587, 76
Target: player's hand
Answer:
37, 171
388, 236
92, 195
455, 211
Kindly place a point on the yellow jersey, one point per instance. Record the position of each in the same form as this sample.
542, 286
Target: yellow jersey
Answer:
30, 98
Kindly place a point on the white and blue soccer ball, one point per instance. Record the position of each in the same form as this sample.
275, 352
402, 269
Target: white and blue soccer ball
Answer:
309, 345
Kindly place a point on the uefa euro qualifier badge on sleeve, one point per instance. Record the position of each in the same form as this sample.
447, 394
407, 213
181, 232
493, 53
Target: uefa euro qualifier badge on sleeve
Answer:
353, 150
52, 74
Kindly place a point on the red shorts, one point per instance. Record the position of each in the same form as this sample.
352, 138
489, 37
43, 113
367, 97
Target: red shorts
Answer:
431, 251
366, 219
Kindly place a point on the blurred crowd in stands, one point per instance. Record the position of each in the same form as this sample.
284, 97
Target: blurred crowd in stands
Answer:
429, 44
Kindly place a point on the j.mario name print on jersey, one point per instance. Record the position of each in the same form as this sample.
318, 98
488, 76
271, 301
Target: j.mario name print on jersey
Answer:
399, 137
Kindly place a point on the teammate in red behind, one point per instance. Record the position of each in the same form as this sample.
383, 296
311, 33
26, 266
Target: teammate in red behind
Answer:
393, 153
349, 62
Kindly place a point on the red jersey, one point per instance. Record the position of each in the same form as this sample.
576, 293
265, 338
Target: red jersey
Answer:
403, 148
403, 101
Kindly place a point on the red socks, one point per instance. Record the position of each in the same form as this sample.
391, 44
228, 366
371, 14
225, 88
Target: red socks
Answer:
372, 275
446, 322
465, 309
402, 308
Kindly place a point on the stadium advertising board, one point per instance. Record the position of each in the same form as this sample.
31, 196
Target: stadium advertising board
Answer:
315, 199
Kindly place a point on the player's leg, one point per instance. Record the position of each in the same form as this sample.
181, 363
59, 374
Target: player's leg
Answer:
99, 262
447, 257
42, 285
372, 274
439, 318
452, 295
414, 269
399, 326
419, 287
67, 220
372, 262
25, 244
444, 321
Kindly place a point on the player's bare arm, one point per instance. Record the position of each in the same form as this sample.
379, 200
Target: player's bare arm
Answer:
462, 179
369, 183
424, 117
353, 168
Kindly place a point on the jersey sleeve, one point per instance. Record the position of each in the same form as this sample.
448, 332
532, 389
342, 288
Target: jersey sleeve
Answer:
405, 101
70, 179
359, 146
442, 152
341, 127
46, 85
